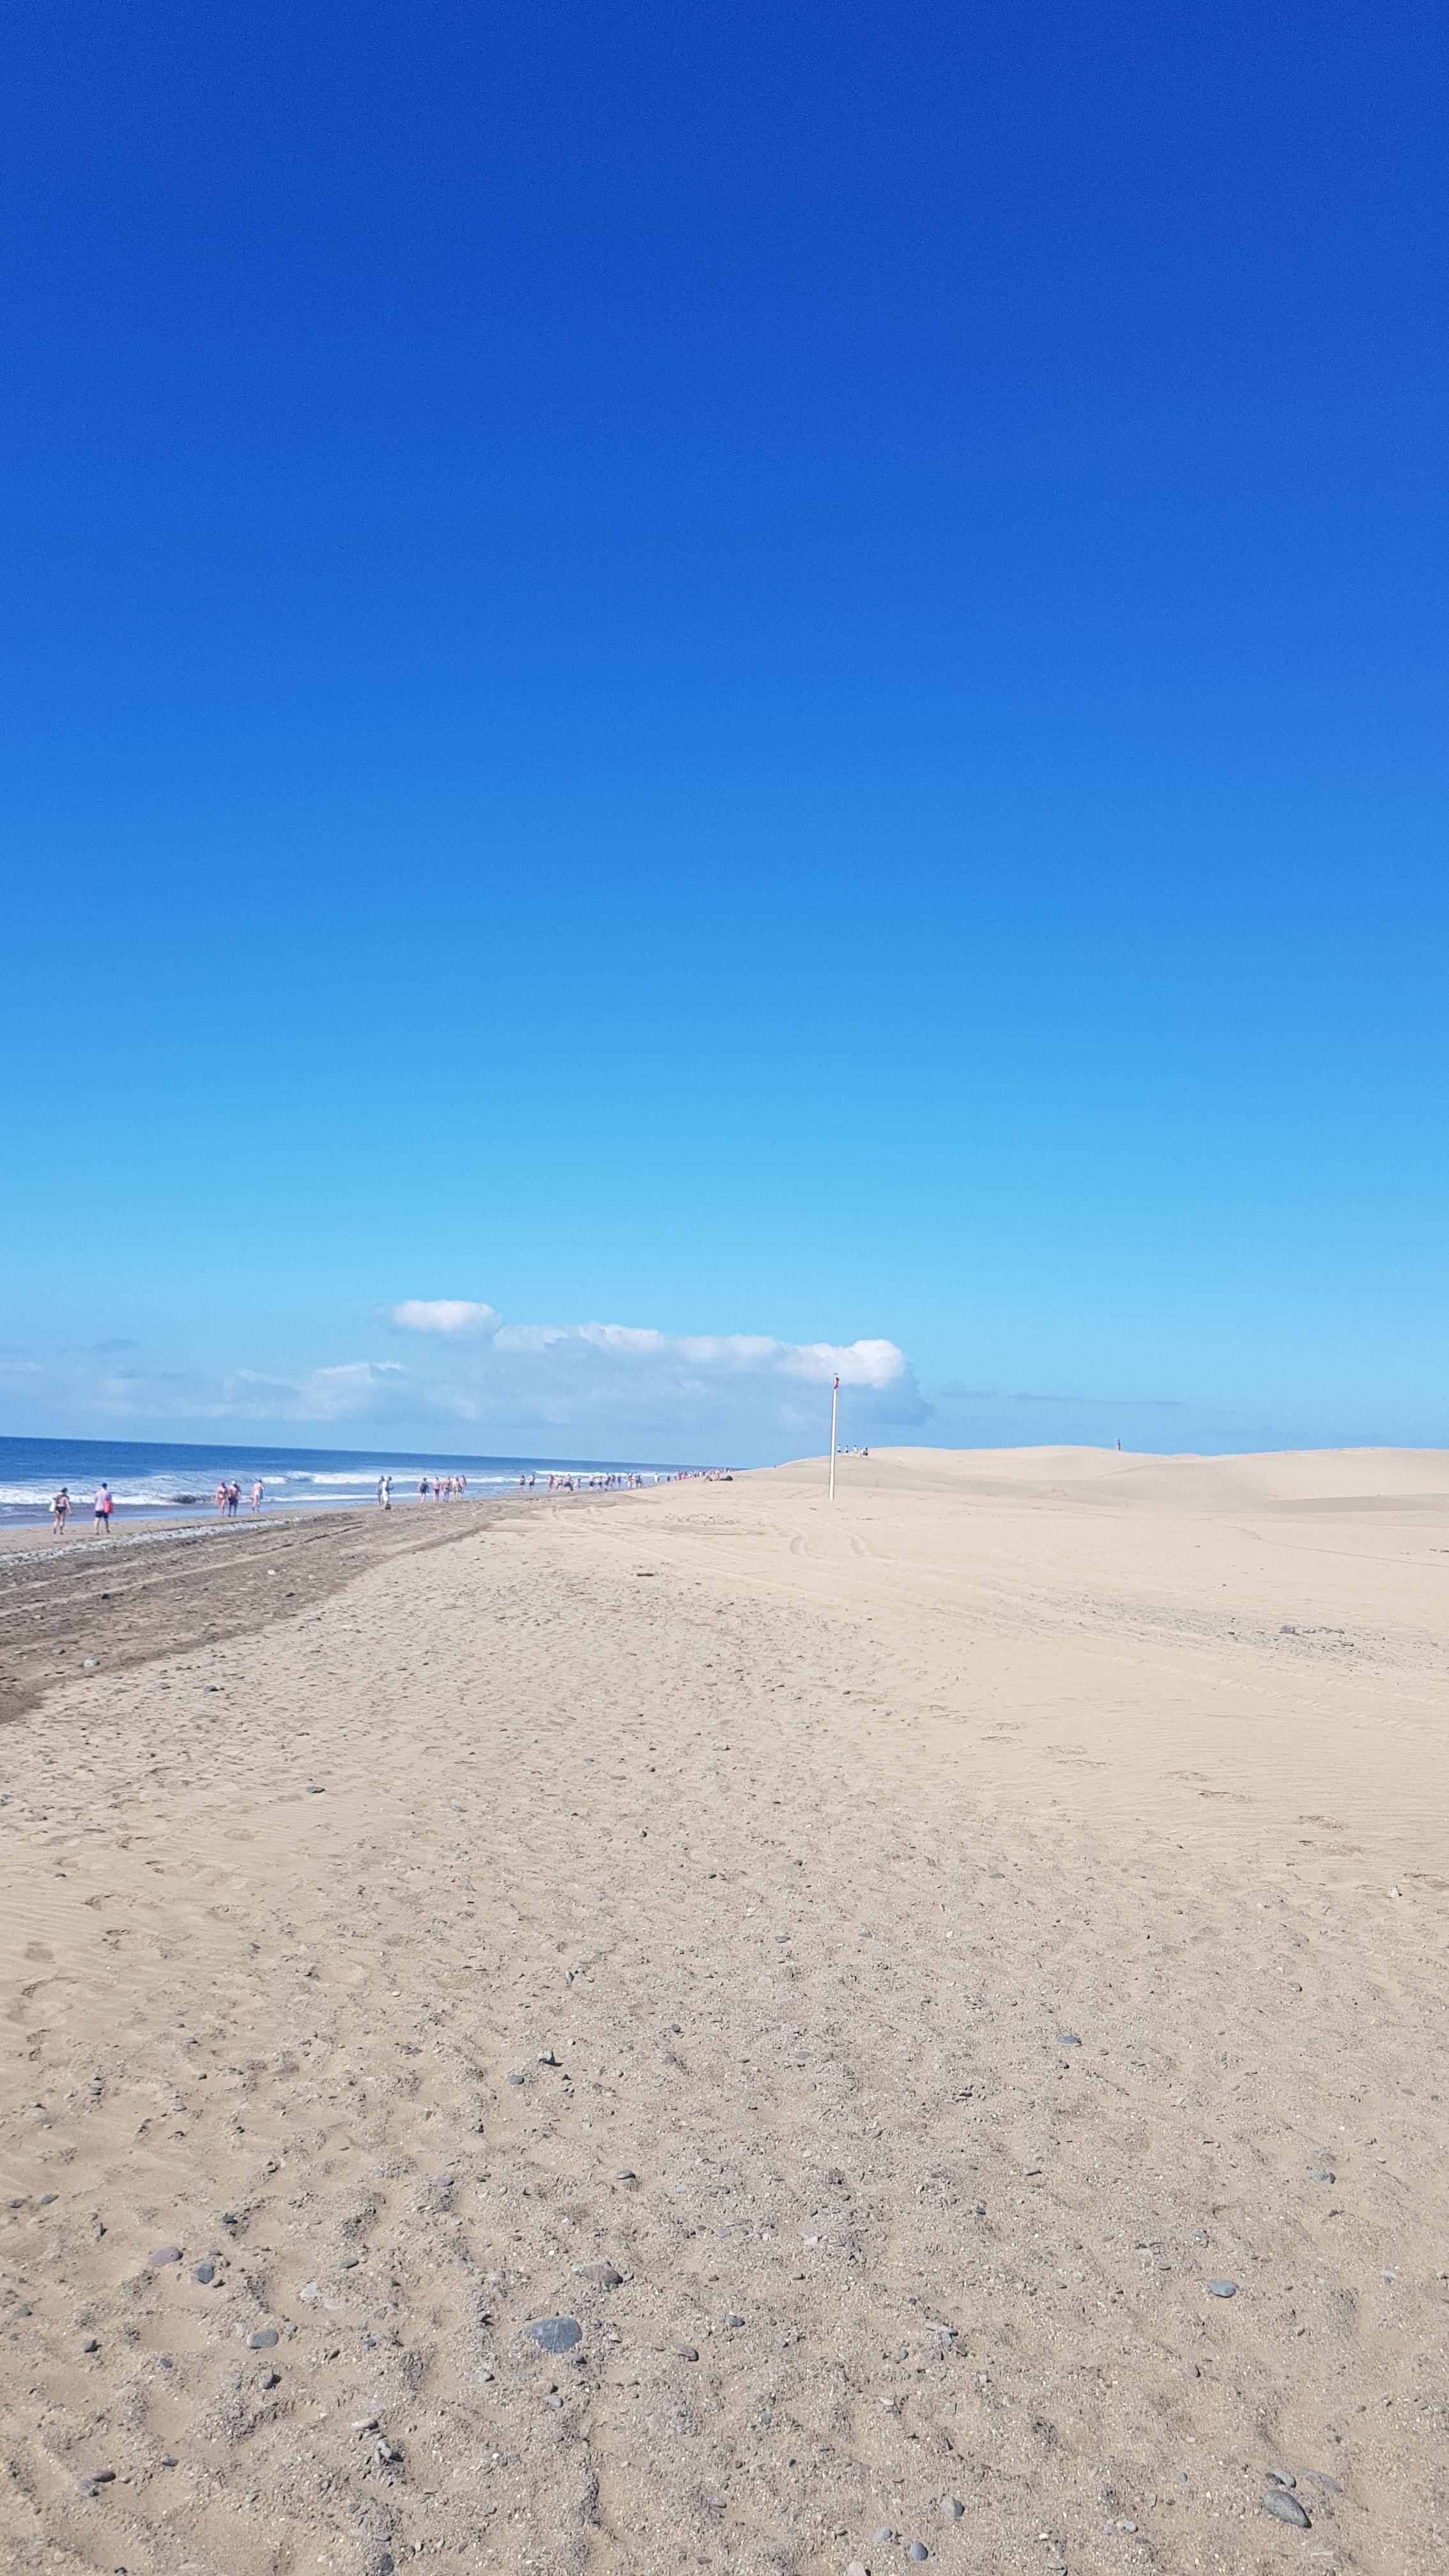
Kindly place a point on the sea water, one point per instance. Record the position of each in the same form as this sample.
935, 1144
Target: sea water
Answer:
153, 1479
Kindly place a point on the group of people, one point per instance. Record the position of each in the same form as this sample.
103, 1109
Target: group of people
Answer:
61, 1508
228, 1498
444, 1489
585, 1484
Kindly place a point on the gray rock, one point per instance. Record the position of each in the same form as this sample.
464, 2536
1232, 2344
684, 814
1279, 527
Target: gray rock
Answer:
918, 2550
269, 2379
687, 2352
546, 2057
1222, 2289
555, 2334
1286, 2508
879, 2538
1281, 2478
205, 2273
1068, 2039
603, 2275
515, 2079
1322, 2174
313, 1791
262, 2338
952, 2508
163, 2254
734, 2321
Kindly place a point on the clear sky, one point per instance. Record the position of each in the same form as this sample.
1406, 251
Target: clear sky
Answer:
770, 675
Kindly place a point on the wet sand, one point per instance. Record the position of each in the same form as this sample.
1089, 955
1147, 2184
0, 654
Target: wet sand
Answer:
872, 1970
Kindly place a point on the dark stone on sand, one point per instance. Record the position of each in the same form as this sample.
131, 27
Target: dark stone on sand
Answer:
603, 2275
92, 2346
952, 2508
314, 1792
205, 2272
1068, 2039
163, 2254
918, 2550
1323, 2175
48, 2199
269, 2379
734, 2321
1281, 2478
1286, 2508
556, 2334
1222, 2289
687, 2352
262, 2338
515, 2079
385, 2563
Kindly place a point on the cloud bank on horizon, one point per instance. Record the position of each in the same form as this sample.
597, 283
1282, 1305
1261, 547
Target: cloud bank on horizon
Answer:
490, 1385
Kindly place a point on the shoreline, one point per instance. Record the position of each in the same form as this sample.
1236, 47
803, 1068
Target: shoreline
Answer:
110, 1605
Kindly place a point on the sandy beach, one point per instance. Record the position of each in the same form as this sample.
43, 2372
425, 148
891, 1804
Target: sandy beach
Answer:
933, 2004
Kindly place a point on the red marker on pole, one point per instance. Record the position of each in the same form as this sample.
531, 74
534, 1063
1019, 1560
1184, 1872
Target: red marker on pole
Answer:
834, 1409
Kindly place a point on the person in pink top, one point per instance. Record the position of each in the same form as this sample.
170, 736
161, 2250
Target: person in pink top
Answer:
104, 1509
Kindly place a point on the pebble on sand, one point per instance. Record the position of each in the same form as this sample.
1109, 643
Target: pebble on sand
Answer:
163, 2254
1222, 2289
1286, 2508
687, 2351
918, 2550
555, 2334
262, 2338
205, 2273
603, 2275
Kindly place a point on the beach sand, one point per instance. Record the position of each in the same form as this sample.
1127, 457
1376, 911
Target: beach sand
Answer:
872, 1968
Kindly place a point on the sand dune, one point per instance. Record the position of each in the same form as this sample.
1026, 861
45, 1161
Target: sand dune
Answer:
872, 1970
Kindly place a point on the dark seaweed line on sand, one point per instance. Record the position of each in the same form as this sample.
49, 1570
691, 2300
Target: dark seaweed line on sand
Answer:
133, 1600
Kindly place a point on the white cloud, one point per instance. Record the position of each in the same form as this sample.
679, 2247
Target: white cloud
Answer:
618, 1384
473, 1383
444, 1315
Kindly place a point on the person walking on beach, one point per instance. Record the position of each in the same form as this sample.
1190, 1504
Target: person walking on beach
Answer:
104, 1509
60, 1509
221, 1499
423, 1490
233, 1500
258, 1490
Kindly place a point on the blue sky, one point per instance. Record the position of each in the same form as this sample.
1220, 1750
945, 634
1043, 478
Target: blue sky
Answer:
770, 677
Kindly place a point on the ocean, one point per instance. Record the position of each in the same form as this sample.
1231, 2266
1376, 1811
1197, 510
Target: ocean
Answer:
152, 1479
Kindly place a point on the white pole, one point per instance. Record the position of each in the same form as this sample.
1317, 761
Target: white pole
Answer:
834, 1409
